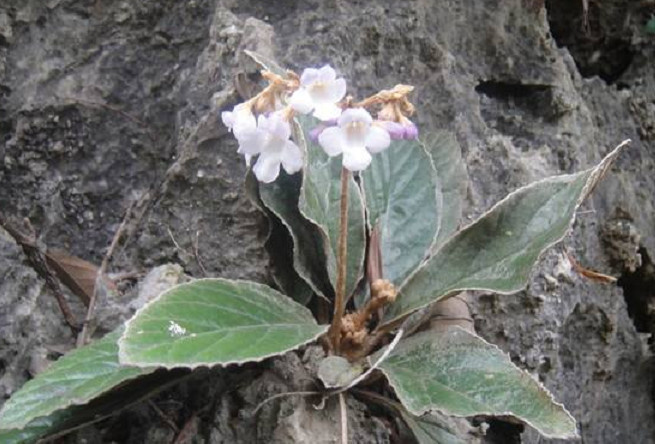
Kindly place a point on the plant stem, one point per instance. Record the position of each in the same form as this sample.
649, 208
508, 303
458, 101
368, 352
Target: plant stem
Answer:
342, 254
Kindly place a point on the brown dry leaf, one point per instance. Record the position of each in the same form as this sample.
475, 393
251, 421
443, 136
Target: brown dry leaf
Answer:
590, 274
77, 274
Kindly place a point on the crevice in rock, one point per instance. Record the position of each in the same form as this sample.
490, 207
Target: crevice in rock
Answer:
639, 293
598, 40
502, 432
506, 106
531, 98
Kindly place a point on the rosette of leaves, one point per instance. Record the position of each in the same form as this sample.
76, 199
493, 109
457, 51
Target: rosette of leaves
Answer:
409, 203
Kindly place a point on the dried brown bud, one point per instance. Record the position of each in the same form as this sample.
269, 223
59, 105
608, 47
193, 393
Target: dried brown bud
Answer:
383, 292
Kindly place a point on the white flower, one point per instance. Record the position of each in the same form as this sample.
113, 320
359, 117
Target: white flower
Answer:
356, 137
239, 120
270, 139
319, 91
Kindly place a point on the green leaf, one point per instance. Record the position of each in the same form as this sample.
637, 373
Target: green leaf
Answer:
309, 248
335, 371
216, 321
266, 63
459, 374
74, 417
279, 246
430, 429
74, 379
319, 201
497, 252
650, 26
404, 201
451, 173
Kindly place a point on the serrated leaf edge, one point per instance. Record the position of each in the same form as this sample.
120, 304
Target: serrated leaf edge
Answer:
125, 360
595, 175
146, 370
495, 414
438, 199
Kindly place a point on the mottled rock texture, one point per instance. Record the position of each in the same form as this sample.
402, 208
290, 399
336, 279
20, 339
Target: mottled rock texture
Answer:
107, 104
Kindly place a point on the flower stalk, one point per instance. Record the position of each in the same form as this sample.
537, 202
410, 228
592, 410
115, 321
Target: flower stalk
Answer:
342, 257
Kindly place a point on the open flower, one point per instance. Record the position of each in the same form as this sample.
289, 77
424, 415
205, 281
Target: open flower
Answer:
270, 140
240, 119
356, 137
319, 91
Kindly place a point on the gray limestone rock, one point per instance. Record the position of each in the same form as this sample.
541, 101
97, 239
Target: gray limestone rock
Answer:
107, 105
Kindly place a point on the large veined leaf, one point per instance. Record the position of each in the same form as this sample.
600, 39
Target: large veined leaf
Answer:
319, 201
74, 417
279, 246
309, 247
451, 173
459, 374
404, 202
216, 321
74, 379
497, 252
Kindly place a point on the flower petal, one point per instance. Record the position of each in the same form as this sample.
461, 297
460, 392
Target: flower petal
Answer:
327, 111
337, 90
326, 74
228, 118
267, 167
377, 139
331, 139
355, 115
395, 129
278, 126
251, 141
356, 159
301, 101
309, 76
292, 160
411, 130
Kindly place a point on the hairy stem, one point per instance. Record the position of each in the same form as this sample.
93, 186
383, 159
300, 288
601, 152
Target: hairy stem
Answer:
342, 254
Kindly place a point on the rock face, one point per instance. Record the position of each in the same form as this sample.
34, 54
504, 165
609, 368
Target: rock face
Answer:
110, 105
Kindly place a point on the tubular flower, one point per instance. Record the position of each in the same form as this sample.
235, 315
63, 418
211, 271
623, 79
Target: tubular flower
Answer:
270, 140
398, 131
356, 137
319, 92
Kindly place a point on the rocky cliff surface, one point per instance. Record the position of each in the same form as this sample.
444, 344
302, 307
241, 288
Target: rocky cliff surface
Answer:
106, 106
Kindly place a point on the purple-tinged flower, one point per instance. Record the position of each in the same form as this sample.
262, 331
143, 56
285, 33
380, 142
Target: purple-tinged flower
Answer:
319, 91
356, 137
318, 129
400, 131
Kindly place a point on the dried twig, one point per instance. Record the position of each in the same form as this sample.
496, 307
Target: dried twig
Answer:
585, 16
86, 328
344, 418
163, 416
282, 395
589, 274
37, 260
183, 435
